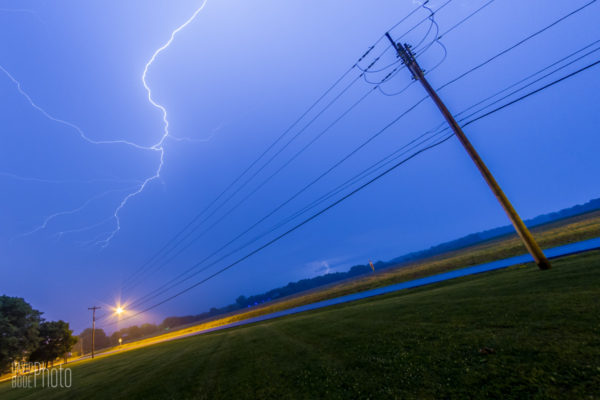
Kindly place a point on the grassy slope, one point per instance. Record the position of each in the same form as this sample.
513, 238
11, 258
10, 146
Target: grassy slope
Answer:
544, 328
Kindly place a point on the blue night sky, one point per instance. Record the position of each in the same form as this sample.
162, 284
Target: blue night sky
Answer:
232, 81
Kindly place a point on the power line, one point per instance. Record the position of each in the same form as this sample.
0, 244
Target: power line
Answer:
503, 52
388, 47
264, 182
167, 248
269, 243
281, 235
537, 33
495, 57
370, 70
432, 13
244, 172
306, 187
174, 282
534, 92
416, 9
232, 209
462, 21
333, 167
533, 82
438, 41
161, 253
169, 284
431, 25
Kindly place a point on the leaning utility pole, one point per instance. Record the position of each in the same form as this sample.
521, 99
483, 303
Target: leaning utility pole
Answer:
534, 249
94, 308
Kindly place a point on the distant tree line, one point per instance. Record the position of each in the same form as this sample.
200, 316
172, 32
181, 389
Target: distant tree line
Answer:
307, 284
490, 234
102, 340
243, 302
26, 336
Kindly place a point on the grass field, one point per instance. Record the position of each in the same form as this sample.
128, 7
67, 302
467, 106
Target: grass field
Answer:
516, 333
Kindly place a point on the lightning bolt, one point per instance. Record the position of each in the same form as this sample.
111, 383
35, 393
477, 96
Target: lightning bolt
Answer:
196, 140
59, 235
159, 146
156, 147
63, 181
67, 123
51, 217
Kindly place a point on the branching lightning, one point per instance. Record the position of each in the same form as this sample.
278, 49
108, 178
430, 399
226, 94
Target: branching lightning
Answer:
59, 235
147, 67
157, 147
64, 181
197, 140
67, 123
51, 217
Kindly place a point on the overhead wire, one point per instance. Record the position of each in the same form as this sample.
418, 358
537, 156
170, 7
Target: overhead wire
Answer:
481, 64
182, 234
322, 175
462, 21
385, 161
240, 176
262, 184
335, 84
526, 39
389, 46
165, 249
437, 40
522, 41
310, 108
379, 176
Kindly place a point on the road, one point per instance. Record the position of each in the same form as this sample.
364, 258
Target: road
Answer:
554, 252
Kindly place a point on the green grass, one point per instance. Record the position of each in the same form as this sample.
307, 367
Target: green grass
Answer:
543, 329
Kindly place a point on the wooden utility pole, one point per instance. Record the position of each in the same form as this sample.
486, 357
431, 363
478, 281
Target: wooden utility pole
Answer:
94, 308
534, 249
